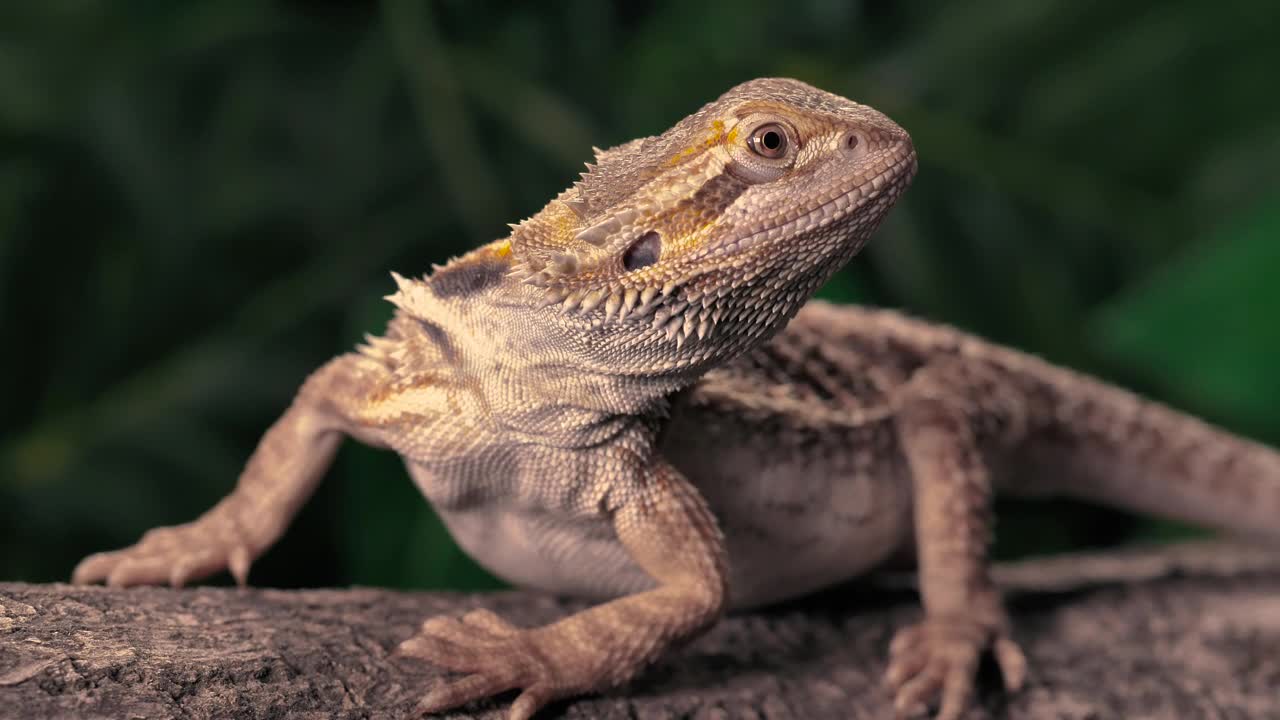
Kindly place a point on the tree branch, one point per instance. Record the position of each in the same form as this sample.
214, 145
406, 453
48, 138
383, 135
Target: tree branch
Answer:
1188, 632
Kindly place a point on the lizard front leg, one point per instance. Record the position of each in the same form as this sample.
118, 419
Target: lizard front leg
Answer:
666, 527
281, 474
936, 660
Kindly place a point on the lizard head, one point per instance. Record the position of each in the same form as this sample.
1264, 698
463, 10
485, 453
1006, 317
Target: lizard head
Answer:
685, 248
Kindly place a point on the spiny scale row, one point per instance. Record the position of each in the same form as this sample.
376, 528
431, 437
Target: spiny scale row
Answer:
685, 322
678, 318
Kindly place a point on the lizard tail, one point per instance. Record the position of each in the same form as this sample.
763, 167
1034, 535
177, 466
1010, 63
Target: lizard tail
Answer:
1104, 444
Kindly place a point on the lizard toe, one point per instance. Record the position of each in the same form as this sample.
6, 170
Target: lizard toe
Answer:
905, 665
94, 568
193, 566
529, 702
489, 621
934, 664
494, 656
175, 555
914, 696
430, 648
448, 695
906, 640
238, 563
957, 690
452, 644
135, 570
1012, 662
454, 636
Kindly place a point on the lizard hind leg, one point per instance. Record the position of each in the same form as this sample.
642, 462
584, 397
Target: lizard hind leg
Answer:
938, 414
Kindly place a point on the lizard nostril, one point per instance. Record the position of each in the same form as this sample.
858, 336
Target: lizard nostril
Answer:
854, 143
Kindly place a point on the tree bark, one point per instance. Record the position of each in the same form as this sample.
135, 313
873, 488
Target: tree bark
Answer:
1183, 632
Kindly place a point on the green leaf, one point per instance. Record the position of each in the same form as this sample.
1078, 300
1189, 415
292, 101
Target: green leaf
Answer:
1206, 329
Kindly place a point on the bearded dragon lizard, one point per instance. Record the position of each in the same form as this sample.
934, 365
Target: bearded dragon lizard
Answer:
629, 399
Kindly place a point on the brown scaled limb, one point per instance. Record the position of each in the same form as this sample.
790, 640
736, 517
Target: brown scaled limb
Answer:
668, 530
935, 661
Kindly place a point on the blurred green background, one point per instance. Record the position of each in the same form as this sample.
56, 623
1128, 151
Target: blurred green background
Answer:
200, 202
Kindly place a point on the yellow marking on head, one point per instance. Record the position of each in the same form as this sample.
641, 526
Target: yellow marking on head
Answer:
715, 137
683, 227
675, 159
503, 249
555, 227
699, 235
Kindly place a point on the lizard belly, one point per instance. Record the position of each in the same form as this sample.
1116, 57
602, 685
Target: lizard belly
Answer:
794, 522
799, 513
530, 542
581, 558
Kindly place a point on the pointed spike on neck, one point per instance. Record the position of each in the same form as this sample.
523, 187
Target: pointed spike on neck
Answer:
613, 304
592, 300
577, 205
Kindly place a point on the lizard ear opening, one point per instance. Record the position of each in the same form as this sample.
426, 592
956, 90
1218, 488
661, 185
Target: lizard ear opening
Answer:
644, 252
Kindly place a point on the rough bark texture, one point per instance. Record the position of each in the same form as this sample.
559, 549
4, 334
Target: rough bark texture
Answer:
1190, 632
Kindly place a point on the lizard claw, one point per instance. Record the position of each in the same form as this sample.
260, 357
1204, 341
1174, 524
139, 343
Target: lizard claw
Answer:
172, 555
934, 663
494, 656
238, 563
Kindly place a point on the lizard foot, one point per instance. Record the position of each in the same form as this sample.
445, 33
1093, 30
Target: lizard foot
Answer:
935, 661
173, 555
496, 656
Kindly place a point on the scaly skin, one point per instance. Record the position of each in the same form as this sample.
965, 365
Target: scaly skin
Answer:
612, 403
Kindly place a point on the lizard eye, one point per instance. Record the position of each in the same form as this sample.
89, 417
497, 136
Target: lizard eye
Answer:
768, 141
643, 252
